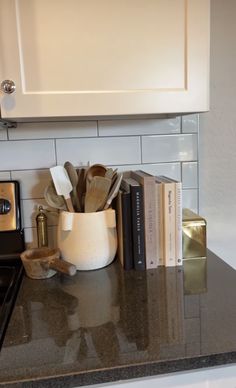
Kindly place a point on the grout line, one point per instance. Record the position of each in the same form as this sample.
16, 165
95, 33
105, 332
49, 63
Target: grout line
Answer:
157, 163
105, 137
55, 150
141, 148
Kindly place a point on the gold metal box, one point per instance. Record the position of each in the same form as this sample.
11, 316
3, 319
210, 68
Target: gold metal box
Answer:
194, 235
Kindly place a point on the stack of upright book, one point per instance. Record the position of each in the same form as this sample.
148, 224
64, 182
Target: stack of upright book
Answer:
149, 219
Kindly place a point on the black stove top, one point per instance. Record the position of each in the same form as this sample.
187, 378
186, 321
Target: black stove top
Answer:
11, 245
11, 272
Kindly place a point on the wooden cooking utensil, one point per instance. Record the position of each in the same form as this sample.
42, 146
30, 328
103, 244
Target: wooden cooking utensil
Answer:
96, 194
109, 173
95, 170
114, 191
81, 186
62, 184
72, 173
52, 198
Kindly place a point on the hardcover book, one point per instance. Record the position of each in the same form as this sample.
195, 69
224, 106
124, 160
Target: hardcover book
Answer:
124, 230
150, 222
168, 192
137, 221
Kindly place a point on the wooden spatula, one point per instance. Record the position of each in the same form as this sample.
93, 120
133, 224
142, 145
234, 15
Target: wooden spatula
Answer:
62, 184
97, 193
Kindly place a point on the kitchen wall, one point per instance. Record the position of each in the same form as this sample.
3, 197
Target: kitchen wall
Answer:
159, 146
218, 136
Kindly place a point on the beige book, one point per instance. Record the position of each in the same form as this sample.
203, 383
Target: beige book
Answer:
160, 223
168, 192
178, 220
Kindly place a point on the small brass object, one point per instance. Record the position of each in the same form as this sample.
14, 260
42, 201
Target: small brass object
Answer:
194, 235
42, 229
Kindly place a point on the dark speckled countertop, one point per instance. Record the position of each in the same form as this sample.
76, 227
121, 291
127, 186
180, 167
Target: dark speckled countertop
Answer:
107, 325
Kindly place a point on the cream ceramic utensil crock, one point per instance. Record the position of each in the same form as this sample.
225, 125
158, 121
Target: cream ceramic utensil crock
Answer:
88, 240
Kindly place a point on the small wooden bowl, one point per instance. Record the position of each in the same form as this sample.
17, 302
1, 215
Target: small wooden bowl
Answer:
36, 262
42, 263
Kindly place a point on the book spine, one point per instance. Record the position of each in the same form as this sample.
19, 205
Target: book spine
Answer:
160, 226
127, 231
150, 224
124, 251
138, 227
169, 224
119, 222
178, 229
149, 199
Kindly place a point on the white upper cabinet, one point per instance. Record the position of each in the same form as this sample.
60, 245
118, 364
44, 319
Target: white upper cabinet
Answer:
81, 58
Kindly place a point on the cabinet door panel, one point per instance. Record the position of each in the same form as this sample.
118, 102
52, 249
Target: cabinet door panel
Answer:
89, 57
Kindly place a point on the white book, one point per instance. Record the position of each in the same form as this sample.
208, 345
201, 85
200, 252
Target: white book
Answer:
178, 220
168, 192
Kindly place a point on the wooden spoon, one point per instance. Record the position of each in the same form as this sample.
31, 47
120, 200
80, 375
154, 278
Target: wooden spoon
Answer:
52, 198
72, 173
95, 170
96, 194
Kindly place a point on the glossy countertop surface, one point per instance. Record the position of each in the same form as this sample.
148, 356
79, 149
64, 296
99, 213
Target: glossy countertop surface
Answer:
110, 324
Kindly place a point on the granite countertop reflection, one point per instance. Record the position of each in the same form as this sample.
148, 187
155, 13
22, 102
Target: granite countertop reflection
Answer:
110, 324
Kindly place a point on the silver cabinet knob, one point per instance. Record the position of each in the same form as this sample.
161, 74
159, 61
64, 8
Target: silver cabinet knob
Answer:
8, 86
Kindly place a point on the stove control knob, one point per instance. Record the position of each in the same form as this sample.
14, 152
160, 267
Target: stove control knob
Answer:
5, 206
8, 86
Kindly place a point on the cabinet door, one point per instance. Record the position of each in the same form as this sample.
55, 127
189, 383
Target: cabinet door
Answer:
108, 57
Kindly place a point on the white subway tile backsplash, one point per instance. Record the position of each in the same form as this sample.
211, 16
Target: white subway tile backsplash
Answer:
173, 170
30, 210
190, 199
169, 148
5, 175
190, 175
138, 127
99, 150
32, 182
50, 130
26, 154
190, 123
166, 146
31, 238
3, 134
